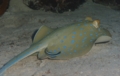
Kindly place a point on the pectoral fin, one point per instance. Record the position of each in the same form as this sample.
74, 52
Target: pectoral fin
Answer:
41, 54
103, 39
41, 33
106, 37
51, 54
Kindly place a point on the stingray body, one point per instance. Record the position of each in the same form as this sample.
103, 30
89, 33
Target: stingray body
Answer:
63, 43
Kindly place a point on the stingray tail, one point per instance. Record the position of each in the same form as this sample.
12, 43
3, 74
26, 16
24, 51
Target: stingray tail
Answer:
24, 54
1, 73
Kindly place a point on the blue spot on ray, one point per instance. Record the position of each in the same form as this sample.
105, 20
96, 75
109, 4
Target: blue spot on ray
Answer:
85, 24
91, 40
65, 37
83, 41
80, 34
81, 28
74, 50
73, 36
55, 51
61, 41
96, 34
91, 25
84, 32
74, 32
78, 24
72, 41
58, 48
64, 47
91, 34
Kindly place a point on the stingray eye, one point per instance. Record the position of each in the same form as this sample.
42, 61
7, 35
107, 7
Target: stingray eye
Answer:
96, 23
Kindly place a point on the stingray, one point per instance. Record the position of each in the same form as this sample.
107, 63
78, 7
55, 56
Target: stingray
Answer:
67, 42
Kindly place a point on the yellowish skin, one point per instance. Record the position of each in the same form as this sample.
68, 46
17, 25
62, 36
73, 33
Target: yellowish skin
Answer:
63, 43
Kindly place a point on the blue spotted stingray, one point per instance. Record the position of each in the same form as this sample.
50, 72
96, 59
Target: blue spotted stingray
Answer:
63, 43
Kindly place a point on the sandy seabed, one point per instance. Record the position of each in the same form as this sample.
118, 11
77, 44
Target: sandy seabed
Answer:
19, 22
